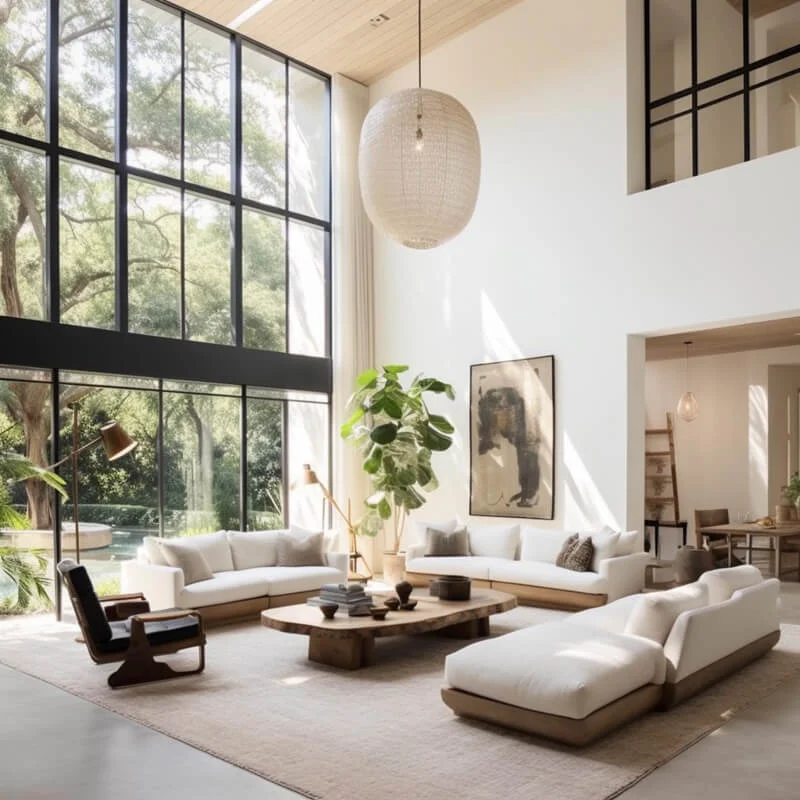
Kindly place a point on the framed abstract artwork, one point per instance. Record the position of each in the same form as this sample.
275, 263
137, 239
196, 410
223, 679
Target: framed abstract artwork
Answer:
512, 434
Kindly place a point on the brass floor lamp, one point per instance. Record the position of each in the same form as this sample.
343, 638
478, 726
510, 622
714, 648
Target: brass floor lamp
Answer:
309, 478
116, 444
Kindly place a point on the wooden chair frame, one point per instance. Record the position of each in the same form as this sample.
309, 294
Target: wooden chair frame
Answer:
138, 661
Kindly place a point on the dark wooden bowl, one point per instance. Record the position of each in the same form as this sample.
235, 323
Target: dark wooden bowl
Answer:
379, 613
392, 603
329, 609
409, 606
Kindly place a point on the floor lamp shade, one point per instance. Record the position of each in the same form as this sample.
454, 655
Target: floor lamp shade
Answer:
419, 165
116, 441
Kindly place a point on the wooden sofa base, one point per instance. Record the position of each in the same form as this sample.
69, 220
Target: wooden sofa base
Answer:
541, 596
675, 693
243, 610
578, 732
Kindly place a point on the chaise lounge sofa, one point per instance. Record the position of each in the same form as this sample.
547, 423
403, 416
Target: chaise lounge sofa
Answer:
521, 560
246, 577
577, 679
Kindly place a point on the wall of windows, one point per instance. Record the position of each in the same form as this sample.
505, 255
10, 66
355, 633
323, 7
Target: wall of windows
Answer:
722, 83
165, 245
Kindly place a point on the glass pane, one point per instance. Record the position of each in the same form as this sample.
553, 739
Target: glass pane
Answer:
154, 88
106, 381
208, 107
721, 135
720, 33
86, 69
265, 496
308, 144
719, 90
154, 259
670, 47
87, 236
208, 270
118, 500
221, 389
264, 275
774, 26
22, 67
681, 106
775, 117
308, 430
263, 127
307, 306
201, 462
775, 71
671, 151
22, 256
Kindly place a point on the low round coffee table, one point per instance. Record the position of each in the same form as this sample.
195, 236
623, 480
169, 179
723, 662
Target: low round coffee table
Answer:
348, 642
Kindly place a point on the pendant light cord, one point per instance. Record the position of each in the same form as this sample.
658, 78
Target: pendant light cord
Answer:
419, 42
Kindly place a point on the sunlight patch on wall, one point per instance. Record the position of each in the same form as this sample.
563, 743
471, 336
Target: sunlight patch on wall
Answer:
757, 444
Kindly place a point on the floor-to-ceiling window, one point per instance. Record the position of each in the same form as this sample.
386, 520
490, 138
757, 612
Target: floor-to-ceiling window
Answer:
165, 262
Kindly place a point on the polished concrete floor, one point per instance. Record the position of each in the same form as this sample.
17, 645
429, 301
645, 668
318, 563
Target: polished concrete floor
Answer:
55, 745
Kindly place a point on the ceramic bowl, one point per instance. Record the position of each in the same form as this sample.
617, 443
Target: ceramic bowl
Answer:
379, 613
329, 609
392, 603
409, 606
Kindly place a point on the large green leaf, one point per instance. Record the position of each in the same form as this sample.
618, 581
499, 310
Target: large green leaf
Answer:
367, 378
441, 423
395, 369
384, 434
437, 441
392, 407
373, 461
347, 429
374, 499
385, 509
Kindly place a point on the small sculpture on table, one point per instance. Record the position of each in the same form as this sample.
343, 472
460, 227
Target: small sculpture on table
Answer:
403, 589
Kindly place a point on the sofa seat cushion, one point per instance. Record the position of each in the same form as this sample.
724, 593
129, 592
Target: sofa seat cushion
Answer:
472, 566
535, 573
288, 580
163, 631
226, 587
566, 670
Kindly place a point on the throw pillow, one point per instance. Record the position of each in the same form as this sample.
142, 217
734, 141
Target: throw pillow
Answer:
580, 557
254, 548
605, 546
441, 543
153, 551
216, 549
570, 543
416, 530
493, 541
294, 551
722, 583
654, 614
189, 559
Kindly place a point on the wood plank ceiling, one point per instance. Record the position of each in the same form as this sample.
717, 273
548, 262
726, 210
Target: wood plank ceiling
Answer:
339, 35
732, 339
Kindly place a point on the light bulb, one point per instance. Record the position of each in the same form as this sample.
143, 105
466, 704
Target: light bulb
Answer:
419, 145
688, 408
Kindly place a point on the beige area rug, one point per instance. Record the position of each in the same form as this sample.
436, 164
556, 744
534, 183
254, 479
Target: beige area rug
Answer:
382, 731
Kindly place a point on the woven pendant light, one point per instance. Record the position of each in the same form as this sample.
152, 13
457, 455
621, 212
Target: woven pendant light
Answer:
688, 407
419, 164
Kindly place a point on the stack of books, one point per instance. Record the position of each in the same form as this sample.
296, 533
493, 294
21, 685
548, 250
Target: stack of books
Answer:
350, 597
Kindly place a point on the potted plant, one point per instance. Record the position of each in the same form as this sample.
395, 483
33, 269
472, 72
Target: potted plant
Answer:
791, 491
397, 436
24, 568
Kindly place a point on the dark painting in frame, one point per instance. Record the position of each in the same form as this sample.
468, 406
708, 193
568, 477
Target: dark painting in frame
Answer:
512, 438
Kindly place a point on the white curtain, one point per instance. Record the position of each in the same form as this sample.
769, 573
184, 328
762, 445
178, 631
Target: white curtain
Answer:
353, 291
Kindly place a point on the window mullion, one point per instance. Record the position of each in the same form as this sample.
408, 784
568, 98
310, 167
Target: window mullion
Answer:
237, 286
121, 293
52, 194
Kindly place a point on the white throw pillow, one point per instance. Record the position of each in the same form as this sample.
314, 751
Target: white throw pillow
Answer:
542, 544
722, 583
254, 548
493, 541
654, 614
629, 542
215, 548
153, 551
416, 529
605, 546
181, 553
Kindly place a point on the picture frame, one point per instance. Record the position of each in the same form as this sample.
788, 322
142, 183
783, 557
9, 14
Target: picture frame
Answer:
512, 438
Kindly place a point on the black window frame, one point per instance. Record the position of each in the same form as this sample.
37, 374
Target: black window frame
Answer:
744, 72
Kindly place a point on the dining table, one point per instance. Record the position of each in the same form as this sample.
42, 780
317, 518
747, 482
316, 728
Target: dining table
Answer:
778, 534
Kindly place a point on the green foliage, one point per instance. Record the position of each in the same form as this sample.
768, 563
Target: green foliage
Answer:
107, 586
397, 436
26, 570
792, 490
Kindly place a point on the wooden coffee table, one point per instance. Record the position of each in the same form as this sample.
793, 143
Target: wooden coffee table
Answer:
348, 642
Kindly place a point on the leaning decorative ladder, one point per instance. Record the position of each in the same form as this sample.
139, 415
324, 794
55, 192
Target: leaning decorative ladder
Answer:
655, 496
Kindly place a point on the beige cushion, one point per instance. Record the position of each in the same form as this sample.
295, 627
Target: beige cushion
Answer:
215, 547
441, 543
254, 548
722, 583
579, 559
493, 541
654, 614
189, 558
294, 551
153, 551
629, 542
605, 546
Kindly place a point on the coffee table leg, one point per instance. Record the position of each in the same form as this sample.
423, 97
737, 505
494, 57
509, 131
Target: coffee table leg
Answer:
472, 629
351, 652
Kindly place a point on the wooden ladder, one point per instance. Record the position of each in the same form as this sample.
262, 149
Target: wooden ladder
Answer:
652, 495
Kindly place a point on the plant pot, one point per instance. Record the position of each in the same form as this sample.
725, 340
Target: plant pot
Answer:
691, 563
394, 568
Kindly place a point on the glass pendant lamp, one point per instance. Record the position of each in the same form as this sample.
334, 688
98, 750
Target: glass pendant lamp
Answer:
688, 408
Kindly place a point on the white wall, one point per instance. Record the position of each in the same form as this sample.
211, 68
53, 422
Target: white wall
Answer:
560, 259
724, 456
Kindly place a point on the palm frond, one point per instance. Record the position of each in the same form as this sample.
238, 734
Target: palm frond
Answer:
15, 467
26, 570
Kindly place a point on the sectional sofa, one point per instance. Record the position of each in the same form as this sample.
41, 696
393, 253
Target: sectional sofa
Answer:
577, 679
521, 560
246, 578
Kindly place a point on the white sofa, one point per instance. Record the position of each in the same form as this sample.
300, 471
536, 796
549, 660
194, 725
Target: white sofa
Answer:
520, 559
245, 578
576, 679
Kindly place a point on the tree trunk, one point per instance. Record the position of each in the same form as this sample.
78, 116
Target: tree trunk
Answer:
35, 415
